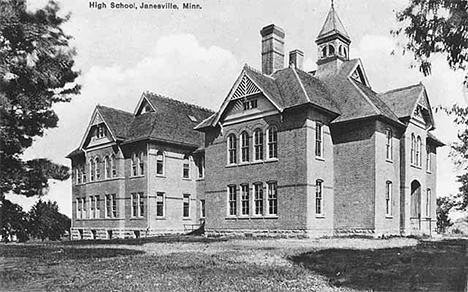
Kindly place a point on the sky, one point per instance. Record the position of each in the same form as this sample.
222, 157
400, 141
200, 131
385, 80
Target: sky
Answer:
196, 55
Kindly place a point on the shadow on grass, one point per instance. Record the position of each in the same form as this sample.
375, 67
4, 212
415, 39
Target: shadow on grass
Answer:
142, 241
429, 266
57, 253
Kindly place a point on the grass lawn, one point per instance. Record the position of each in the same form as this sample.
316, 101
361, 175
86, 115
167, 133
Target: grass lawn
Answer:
197, 264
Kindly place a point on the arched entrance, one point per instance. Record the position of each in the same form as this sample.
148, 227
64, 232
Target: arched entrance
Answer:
415, 215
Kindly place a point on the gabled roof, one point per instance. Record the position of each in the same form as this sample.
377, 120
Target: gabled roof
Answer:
433, 138
333, 25
403, 100
119, 121
172, 121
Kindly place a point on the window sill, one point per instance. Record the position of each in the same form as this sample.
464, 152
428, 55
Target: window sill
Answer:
320, 216
271, 160
200, 179
137, 218
253, 217
319, 158
137, 176
428, 172
186, 178
161, 175
160, 217
389, 160
388, 216
186, 218
416, 166
231, 165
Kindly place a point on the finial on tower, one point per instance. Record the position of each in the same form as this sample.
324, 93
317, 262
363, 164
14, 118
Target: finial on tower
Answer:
333, 4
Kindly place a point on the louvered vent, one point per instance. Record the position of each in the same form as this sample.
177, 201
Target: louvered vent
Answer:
423, 102
246, 87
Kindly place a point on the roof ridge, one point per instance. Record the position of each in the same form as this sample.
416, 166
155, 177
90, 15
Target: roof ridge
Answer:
401, 88
301, 84
112, 108
178, 101
258, 71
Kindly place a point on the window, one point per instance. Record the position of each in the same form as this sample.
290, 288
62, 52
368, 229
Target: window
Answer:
331, 50
91, 207
101, 131
134, 165
78, 208
138, 205
319, 197
258, 144
186, 207
160, 198
245, 147
113, 166
160, 163
232, 149
388, 198
246, 105
273, 142
232, 199
418, 151
141, 162
245, 198
84, 173
98, 168
92, 169
111, 206
253, 103
186, 167
201, 166
428, 158
428, 203
97, 213
258, 198
202, 208
388, 144
272, 198
249, 104
318, 140
83, 208
107, 166
413, 146
324, 51
79, 174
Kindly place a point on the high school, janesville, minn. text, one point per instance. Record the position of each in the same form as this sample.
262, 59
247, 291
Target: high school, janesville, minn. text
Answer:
143, 5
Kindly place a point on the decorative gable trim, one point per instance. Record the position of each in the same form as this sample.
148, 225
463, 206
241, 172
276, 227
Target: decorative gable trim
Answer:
143, 102
250, 87
359, 75
423, 104
96, 118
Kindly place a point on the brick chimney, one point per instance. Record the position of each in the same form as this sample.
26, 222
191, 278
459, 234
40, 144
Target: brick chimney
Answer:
296, 57
272, 49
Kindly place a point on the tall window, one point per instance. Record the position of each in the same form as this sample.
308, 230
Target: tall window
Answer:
388, 198
114, 206
186, 167
108, 167
258, 144
113, 166
84, 173
418, 151
388, 144
138, 205
245, 147
79, 174
201, 166
98, 168
160, 163
319, 197
141, 163
272, 198
101, 131
428, 202
83, 208
134, 205
413, 146
258, 198
111, 206
273, 142
428, 158
160, 198
318, 140
92, 205
202, 208
186, 207
78, 208
232, 200
232, 149
92, 169
245, 198
97, 207
134, 164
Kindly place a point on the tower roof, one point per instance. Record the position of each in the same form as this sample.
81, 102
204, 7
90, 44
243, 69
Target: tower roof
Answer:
332, 26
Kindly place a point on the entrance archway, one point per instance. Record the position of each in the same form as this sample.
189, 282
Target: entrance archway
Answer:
416, 202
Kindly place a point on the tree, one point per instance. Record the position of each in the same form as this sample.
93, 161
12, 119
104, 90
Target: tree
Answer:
444, 205
13, 222
45, 221
36, 71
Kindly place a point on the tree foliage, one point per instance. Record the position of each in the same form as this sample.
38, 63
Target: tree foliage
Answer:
36, 71
46, 222
435, 27
13, 221
444, 205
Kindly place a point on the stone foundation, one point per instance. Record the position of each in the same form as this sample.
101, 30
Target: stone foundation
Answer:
105, 234
296, 233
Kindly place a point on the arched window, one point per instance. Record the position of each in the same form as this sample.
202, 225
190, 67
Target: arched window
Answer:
345, 53
413, 146
418, 151
428, 158
160, 163
245, 147
232, 149
388, 144
324, 51
186, 167
388, 198
141, 163
134, 164
331, 50
108, 167
319, 197
273, 142
98, 168
318, 140
258, 144
113, 166
84, 172
92, 169
340, 50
